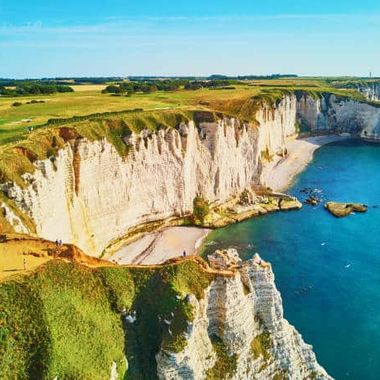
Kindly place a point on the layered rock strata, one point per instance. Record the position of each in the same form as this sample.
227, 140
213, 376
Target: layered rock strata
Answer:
241, 312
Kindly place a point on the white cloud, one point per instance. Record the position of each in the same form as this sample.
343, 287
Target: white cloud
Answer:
115, 23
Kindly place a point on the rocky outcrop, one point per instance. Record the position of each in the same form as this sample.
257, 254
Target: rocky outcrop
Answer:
242, 312
344, 209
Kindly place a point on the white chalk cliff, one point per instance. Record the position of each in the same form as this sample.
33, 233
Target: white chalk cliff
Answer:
331, 113
244, 312
89, 195
370, 89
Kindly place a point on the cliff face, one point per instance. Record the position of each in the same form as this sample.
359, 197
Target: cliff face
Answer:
329, 113
242, 314
89, 195
96, 196
276, 124
370, 89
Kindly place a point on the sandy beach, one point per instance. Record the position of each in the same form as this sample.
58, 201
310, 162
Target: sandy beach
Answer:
157, 247
279, 174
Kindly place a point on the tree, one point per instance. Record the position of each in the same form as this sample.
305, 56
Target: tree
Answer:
111, 89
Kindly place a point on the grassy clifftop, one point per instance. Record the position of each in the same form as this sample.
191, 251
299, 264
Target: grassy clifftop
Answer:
66, 319
45, 142
241, 102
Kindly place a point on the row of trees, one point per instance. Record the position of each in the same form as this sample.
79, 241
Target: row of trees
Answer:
196, 85
34, 89
146, 87
163, 85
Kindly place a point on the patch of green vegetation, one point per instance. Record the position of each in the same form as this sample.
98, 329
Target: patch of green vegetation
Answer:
282, 375
67, 320
5, 227
302, 127
261, 345
340, 94
225, 364
247, 109
146, 86
313, 375
58, 322
265, 155
201, 209
34, 88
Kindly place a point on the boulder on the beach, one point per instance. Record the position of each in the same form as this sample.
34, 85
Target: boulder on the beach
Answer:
343, 209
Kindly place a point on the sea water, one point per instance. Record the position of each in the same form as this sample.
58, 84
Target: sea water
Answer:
327, 269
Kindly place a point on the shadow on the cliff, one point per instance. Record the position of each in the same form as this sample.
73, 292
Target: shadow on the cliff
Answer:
143, 330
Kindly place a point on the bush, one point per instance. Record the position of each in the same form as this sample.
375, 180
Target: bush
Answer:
33, 88
34, 101
17, 104
225, 365
261, 346
200, 208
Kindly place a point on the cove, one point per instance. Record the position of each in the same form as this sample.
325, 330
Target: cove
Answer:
327, 269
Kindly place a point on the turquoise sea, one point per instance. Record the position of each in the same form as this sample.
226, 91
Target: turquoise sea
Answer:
327, 269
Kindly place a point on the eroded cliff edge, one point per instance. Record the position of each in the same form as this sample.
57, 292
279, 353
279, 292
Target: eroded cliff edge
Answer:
239, 331
89, 193
181, 320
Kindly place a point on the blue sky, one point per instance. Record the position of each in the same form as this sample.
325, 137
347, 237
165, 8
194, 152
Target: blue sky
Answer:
120, 37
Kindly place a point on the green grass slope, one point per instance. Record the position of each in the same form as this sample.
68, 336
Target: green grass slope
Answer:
66, 320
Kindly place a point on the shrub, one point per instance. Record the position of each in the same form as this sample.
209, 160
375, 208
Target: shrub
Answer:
200, 208
265, 155
261, 345
225, 365
17, 104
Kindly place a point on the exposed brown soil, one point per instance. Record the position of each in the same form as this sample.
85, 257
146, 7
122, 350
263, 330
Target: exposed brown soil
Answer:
20, 254
17, 250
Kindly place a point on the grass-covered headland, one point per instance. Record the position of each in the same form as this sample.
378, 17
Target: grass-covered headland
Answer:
72, 321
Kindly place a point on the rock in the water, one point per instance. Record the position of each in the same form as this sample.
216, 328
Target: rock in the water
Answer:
313, 201
343, 209
290, 204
